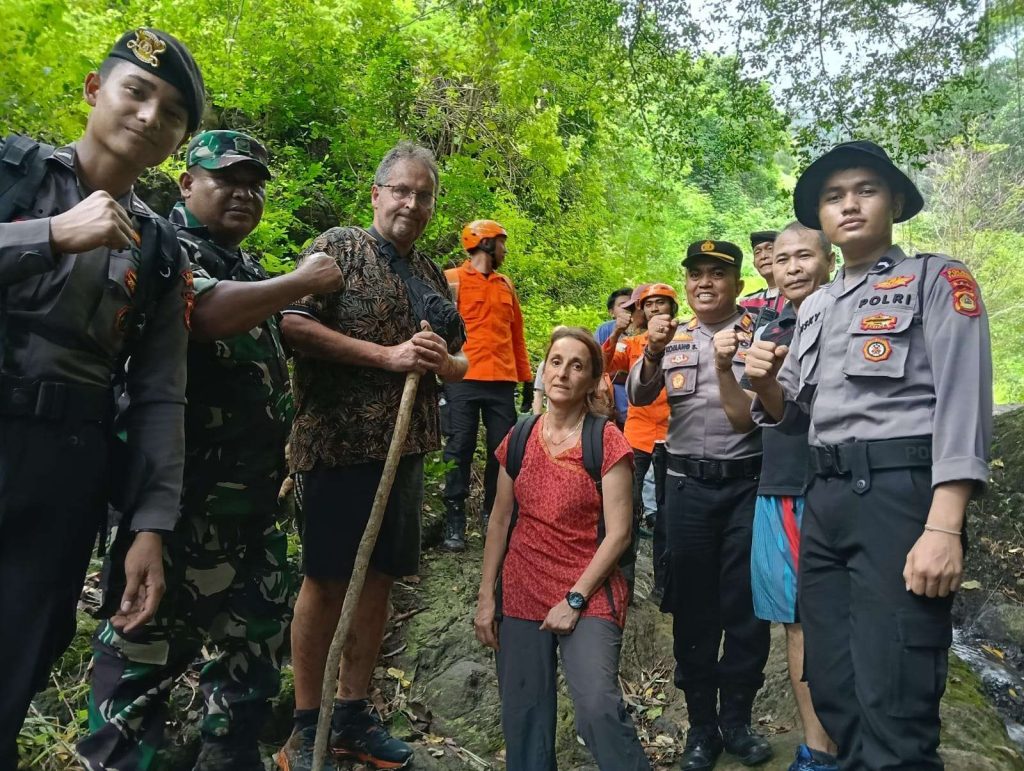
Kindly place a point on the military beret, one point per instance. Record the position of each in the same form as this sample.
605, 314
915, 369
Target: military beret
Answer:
724, 251
850, 155
219, 149
166, 57
760, 236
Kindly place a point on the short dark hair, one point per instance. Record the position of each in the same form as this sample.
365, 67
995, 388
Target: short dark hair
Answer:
624, 292
823, 241
107, 66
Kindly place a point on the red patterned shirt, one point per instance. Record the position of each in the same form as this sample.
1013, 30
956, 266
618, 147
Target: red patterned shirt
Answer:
555, 537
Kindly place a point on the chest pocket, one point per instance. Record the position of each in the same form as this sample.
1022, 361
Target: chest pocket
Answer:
680, 368
879, 343
807, 351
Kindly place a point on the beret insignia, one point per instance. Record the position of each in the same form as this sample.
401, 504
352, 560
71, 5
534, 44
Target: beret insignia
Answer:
147, 47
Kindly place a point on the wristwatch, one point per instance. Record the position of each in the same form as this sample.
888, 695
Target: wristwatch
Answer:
576, 600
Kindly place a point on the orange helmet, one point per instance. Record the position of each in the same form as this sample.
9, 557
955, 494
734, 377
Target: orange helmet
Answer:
477, 230
658, 290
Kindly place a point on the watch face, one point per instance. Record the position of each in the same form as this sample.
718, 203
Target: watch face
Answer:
576, 600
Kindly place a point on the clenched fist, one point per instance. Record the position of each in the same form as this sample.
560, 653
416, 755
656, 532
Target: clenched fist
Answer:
660, 331
320, 273
764, 359
726, 344
623, 318
97, 221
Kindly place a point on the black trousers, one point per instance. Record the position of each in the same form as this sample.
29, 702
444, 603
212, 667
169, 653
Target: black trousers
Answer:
641, 463
709, 528
659, 543
466, 403
53, 498
876, 654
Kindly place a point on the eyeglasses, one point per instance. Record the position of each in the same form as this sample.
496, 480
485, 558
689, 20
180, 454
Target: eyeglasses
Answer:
401, 193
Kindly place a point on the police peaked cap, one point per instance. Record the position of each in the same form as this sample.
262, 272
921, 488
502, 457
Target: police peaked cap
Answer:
723, 251
760, 236
163, 55
850, 155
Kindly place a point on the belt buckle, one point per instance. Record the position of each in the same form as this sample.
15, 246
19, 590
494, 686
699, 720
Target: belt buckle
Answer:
50, 400
713, 470
831, 464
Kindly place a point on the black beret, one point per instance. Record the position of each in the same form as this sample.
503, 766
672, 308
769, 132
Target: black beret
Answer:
723, 251
760, 236
166, 57
849, 155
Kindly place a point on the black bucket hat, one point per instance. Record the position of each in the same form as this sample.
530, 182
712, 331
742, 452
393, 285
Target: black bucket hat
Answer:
848, 155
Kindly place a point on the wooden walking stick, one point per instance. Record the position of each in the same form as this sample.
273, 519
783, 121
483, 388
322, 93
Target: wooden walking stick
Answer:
355, 584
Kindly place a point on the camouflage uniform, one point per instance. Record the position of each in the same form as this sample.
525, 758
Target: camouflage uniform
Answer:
227, 576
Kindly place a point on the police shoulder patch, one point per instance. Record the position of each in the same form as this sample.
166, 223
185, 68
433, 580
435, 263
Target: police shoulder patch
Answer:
965, 290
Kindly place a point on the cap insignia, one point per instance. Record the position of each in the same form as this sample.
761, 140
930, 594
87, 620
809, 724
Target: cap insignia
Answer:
707, 246
147, 47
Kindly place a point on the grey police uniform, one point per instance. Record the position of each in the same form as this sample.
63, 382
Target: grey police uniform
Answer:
709, 508
904, 404
64, 337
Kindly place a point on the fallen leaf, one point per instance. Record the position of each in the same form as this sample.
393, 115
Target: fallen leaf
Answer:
969, 585
994, 652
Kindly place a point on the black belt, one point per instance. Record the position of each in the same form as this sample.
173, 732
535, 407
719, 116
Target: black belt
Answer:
840, 459
710, 470
54, 400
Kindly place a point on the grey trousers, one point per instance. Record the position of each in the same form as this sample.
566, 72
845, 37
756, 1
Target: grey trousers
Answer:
527, 679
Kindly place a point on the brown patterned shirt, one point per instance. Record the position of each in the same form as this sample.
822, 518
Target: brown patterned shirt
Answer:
346, 414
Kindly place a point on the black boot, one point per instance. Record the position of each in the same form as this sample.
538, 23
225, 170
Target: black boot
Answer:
454, 527
740, 739
746, 744
703, 746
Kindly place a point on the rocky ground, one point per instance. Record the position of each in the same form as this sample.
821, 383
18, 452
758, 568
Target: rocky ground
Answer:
438, 688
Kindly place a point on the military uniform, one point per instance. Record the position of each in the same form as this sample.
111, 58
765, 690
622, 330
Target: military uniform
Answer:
711, 485
903, 404
226, 569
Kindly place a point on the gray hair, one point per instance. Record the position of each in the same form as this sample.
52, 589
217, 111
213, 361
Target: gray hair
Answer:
823, 242
406, 151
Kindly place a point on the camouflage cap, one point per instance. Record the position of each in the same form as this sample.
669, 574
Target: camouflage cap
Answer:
219, 149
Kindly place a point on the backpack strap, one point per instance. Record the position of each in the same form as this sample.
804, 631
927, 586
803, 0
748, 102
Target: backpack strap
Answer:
22, 168
517, 444
592, 440
157, 273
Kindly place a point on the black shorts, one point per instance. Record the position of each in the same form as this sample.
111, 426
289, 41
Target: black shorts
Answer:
336, 505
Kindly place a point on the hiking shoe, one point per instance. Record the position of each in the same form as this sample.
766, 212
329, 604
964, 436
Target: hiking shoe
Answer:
297, 752
229, 754
362, 736
805, 761
703, 746
746, 744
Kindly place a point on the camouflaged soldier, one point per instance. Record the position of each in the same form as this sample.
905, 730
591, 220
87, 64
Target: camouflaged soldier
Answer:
226, 567
89, 274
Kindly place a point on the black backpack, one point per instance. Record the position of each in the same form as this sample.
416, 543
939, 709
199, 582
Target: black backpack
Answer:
593, 460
